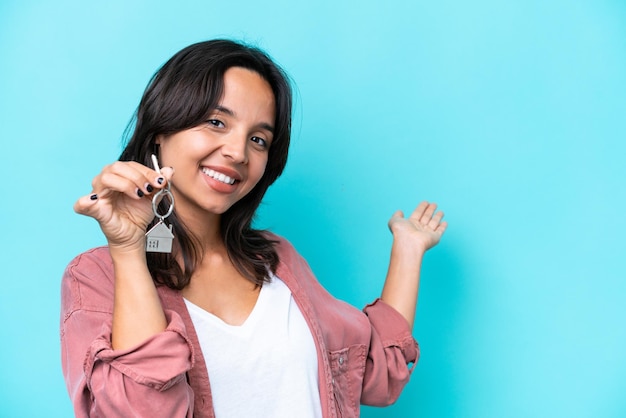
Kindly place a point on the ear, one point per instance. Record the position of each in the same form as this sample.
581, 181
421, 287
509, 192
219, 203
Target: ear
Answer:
156, 147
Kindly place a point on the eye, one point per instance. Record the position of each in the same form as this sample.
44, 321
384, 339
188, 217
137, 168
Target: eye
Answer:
216, 123
257, 139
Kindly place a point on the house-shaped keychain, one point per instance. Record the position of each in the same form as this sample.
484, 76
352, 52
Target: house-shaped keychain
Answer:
159, 238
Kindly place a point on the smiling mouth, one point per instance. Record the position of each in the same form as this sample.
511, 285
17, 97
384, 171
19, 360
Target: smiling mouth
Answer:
221, 177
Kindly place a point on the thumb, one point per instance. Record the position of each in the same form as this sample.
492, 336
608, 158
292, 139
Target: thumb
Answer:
394, 218
167, 172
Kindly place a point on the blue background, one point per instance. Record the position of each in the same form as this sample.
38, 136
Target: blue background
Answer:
510, 114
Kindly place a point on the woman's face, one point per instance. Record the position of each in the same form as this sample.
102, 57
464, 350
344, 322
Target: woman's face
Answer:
220, 161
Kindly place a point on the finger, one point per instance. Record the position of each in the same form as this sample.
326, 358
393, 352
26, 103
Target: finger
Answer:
166, 175
109, 183
130, 178
436, 220
441, 228
160, 180
85, 205
427, 216
419, 211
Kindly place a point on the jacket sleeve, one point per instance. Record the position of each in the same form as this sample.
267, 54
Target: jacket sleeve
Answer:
392, 355
147, 380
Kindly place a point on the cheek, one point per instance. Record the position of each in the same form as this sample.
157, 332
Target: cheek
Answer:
262, 168
168, 154
256, 172
258, 163
183, 146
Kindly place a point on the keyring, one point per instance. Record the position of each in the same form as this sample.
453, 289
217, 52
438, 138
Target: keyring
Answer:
160, 237
155, 203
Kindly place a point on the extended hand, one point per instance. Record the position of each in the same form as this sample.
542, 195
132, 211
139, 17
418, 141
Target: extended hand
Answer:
423, 228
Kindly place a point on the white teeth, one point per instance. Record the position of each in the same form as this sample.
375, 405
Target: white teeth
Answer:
218, 176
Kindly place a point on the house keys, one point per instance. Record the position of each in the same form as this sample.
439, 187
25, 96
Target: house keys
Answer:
159, 238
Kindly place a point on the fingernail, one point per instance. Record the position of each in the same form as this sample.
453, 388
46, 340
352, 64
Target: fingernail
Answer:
149, 188
139, 193
93, 196
160, 180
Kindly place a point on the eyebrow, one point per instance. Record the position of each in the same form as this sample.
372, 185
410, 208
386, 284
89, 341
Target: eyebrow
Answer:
262, 125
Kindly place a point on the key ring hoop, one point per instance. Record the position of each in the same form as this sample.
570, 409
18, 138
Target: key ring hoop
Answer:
155, 202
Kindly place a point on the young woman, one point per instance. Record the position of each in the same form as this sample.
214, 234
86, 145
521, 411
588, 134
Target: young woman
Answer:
232, 322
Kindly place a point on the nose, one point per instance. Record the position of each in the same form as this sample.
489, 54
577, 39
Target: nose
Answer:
235, 148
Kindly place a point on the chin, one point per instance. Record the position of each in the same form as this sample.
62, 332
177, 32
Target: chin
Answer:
219, 210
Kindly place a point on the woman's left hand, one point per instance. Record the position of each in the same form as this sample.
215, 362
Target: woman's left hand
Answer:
422, 229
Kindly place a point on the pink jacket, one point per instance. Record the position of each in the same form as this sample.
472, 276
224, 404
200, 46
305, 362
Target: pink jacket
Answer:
363, 357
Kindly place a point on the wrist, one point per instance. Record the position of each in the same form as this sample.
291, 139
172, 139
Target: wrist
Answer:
128, 253
130, 265
407, 245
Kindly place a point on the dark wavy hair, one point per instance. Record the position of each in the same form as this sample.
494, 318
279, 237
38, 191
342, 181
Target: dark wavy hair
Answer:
181, 95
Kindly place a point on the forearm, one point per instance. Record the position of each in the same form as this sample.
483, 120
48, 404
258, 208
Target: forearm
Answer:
137, 310
402, 283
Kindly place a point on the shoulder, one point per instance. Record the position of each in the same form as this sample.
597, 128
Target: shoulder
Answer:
96, 261
88, 281
294, 270
288, 256
281, 244
340, 323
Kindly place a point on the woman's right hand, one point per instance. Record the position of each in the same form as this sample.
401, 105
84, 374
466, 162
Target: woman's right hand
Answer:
121, 202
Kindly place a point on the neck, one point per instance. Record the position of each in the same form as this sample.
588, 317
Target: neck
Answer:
205, 227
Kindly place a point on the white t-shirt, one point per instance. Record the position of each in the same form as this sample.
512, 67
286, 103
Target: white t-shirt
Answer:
266, 367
